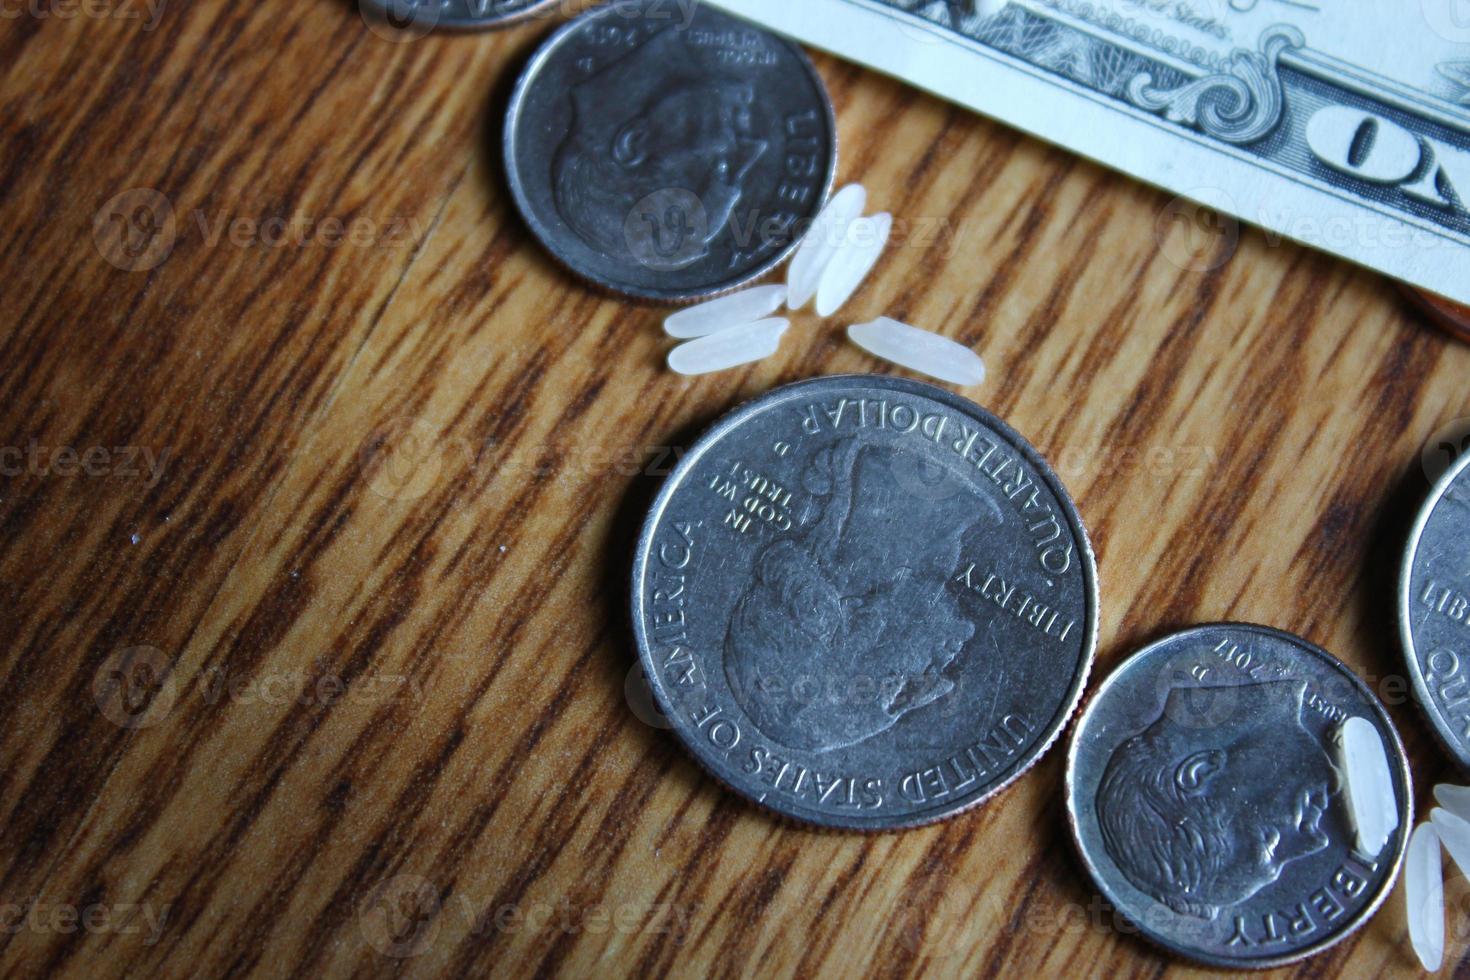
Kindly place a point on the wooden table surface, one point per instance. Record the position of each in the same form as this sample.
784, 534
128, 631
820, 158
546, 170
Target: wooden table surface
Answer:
317, 523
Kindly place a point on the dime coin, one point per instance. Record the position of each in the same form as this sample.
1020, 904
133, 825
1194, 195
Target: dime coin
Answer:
669, 152
417, 17
1434, 610
1449, 316
865, 602
1203, 793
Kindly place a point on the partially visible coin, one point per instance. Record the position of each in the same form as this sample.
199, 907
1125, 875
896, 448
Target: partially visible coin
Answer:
865, 602
1449, 316
669, 152
417, 17
1203, 793
1434, 609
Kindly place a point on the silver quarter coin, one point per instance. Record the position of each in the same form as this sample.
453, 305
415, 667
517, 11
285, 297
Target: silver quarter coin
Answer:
865, 602
667, 151
1434, 610
417, 17
1203, 791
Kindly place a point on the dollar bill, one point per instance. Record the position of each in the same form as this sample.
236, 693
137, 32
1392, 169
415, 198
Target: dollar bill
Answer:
1341, 124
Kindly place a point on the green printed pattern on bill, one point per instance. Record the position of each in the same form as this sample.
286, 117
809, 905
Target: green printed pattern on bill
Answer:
1342, 124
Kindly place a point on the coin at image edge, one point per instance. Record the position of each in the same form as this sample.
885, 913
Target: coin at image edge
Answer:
1451, 317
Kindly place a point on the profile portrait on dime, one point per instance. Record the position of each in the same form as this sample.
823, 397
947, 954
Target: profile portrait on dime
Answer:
649, 126
669, 151
1239, 795
1202, 818
846, 629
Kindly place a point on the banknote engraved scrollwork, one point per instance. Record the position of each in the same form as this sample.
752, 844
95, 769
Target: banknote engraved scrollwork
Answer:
1238, 106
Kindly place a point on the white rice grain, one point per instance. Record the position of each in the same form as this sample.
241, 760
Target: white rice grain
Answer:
919, 350
746, 306
1371, 800
1424, 896
822, 241
859, 252
729, 348
1454, 834
1455, 799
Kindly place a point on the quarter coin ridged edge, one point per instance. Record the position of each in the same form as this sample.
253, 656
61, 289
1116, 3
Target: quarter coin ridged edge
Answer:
1422, 697
730, 420
651, 296
1406, 806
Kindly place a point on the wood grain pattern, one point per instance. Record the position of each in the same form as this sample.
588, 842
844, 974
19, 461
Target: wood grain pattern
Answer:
382, 566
